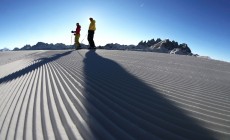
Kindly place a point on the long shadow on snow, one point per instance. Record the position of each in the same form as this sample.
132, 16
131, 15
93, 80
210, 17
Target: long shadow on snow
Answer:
124, 107
32, 67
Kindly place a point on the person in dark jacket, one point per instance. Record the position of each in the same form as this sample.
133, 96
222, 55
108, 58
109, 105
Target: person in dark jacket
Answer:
77, 36
91, 31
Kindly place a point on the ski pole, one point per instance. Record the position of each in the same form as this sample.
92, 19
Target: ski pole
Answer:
84, 38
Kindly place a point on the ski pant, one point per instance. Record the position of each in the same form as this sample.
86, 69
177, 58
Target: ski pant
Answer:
90, 38
77, 44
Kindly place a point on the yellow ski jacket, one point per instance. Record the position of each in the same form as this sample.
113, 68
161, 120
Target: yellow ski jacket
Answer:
92, 25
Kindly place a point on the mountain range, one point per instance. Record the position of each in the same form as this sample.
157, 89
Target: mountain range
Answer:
158, 45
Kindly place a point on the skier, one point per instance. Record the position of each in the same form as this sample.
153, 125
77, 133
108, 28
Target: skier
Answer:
77, 36
92, 28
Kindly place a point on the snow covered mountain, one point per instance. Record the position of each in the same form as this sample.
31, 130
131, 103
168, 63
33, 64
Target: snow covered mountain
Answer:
112, 94
4, 49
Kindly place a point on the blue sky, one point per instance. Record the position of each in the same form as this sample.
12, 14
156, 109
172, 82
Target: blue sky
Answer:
203, 24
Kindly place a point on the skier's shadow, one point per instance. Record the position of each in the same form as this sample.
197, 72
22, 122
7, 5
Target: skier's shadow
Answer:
127, 108
39, 63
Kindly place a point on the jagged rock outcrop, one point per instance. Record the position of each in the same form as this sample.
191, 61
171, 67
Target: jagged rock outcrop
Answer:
184, 48
26, 47
167, 46
163, 46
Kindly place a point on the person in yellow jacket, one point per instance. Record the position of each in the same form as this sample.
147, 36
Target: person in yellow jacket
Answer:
91, 31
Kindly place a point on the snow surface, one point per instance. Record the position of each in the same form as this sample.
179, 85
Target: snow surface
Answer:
111, 94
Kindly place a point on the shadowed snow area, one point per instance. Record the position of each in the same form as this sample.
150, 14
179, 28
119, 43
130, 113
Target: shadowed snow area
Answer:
102, 94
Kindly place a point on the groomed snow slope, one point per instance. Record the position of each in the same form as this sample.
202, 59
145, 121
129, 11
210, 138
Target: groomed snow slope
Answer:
109, 95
